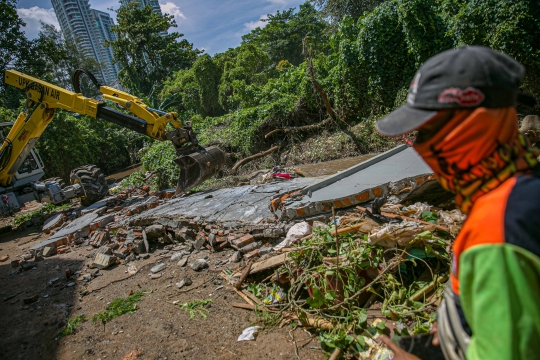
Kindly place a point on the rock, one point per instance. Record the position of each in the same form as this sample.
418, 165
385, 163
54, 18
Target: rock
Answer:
15, 264
49, 251
145, 240
183, 261
154, 232
130, 237
119, 254
104, 250
236, 257
273, 232
139, 247
320, 225
199, 244
31, 299
250, 247
212, 240
132, 270
158, 268
155, 276
265, 250
168, 247
130, 258
103, 261
185, 282
177, 256
198, 264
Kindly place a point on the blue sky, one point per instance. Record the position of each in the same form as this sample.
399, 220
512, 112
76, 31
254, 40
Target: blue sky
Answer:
213, 25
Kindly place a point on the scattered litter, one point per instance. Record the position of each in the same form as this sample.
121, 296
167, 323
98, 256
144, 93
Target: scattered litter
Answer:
277, 294
294, 234
249, 333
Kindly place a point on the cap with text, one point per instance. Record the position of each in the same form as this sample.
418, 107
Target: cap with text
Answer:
468, 77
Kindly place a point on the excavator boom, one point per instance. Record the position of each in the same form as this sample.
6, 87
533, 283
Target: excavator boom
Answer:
42, 99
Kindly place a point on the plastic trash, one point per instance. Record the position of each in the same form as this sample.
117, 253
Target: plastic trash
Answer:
294, 234
276, 295
249, 333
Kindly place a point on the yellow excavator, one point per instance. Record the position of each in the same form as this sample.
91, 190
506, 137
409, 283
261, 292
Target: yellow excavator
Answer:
21, 168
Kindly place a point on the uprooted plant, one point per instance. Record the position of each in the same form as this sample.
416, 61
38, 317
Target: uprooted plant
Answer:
196, 307
71, 325
118, 307
334, 283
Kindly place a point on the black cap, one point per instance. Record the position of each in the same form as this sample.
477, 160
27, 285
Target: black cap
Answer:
468, 77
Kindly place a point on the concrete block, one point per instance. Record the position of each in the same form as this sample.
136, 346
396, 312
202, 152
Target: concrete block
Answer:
103, 261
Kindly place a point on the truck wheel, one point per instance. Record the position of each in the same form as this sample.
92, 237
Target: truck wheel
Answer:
58, 180
93, 182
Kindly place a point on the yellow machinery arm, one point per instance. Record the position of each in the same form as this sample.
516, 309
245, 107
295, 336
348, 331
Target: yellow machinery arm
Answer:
44, 98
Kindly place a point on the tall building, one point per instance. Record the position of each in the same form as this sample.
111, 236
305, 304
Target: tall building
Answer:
153, 3
90, 28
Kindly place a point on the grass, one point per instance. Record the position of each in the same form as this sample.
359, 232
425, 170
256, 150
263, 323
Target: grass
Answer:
118, 307
46, 209
196, 307
72, 324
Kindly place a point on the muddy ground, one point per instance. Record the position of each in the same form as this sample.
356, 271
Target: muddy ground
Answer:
158, 330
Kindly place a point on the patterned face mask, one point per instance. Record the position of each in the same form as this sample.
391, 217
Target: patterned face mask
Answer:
476, 151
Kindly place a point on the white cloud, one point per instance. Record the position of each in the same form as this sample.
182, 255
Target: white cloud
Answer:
32, 18
173, 9
252, 25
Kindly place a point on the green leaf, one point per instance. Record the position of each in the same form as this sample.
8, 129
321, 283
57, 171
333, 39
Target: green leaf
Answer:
316, 300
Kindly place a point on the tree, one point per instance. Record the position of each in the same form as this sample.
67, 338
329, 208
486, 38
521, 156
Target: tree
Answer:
62, 58
282, 37
147, 55
336, 10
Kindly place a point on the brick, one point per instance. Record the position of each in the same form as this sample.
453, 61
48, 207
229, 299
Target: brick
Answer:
244, 240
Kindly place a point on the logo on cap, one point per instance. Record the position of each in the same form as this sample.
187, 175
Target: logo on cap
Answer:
468, 97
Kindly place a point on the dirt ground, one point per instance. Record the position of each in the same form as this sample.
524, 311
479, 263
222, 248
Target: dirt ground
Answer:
158, 330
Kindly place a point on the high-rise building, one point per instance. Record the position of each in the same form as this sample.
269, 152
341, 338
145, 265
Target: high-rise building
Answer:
90, 28
153, 3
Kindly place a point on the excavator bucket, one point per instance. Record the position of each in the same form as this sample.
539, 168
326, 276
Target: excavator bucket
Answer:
198, 166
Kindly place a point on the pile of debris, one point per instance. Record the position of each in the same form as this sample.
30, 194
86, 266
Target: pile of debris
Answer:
371, 270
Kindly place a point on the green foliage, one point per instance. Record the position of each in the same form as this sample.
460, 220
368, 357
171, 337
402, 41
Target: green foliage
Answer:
336, 10
46, 209
196, 307
159, 157
282, 37
70, 141
71, 325
118, 307
255, 289
134, 179
144, 50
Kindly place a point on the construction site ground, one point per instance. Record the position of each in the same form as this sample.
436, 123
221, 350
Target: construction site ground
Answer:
158, 330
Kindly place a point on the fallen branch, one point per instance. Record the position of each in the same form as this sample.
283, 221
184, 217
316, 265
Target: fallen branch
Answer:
253, 157
246, 299
428, 288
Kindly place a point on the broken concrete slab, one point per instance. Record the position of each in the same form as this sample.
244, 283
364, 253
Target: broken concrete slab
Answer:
393, 170
246, 203
76, 225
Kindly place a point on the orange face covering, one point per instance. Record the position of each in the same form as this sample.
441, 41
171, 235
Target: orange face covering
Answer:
476, 151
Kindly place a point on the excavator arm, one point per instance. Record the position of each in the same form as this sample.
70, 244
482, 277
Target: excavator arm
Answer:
42, 99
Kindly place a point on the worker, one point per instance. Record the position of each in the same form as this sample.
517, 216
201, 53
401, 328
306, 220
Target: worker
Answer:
461, 102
